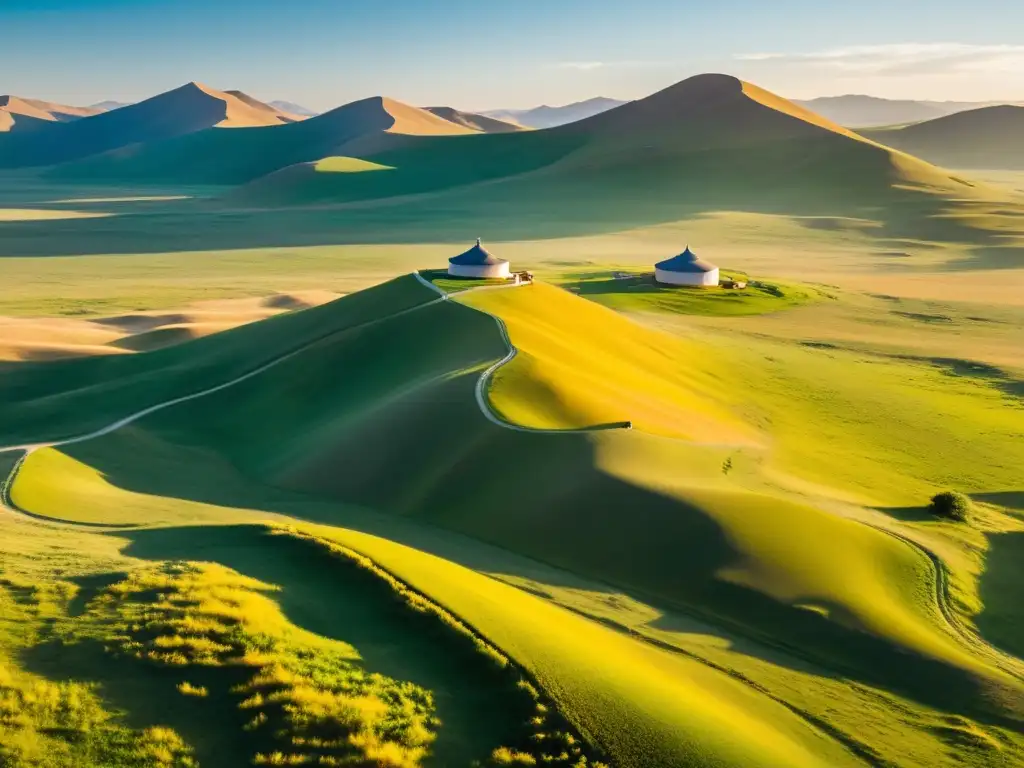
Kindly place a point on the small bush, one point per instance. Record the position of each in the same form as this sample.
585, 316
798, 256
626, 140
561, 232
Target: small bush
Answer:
951, 505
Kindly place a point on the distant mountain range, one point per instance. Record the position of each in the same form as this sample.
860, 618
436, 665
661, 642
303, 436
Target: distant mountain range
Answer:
293, 108
752, 140
549, 117
107, 106
852, 111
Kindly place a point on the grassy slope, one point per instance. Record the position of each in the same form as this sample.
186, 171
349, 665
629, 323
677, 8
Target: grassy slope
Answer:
579, 365
987, 138
53, 627
411, 410
643, 294
64, 398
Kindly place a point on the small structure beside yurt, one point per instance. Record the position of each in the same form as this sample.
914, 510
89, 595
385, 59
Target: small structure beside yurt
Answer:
478, 262
686, 269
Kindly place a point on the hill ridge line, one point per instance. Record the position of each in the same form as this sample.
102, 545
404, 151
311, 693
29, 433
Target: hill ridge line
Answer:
480, 391
7, 484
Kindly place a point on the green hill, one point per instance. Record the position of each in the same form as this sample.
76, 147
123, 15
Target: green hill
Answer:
991, 138
729, 548
230, 157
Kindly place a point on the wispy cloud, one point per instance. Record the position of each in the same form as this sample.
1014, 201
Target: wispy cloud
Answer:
901, 59
589, 66
582, 66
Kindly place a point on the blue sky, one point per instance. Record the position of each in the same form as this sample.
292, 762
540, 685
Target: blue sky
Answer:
480, 54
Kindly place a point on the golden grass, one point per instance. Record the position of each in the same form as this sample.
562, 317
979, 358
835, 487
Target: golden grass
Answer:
48, 723
580, 364
649, 707
303, 690
347, 165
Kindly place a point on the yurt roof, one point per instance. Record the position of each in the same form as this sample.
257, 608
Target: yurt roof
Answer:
686, 261
476, 256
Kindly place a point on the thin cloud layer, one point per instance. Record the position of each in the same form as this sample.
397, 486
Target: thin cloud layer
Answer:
902, 59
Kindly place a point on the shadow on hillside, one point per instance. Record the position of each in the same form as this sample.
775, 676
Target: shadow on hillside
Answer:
1001, 622
404, 436
148, 696
521, 208
334, 598
973, 369
465, 476
1013, 500
910, 514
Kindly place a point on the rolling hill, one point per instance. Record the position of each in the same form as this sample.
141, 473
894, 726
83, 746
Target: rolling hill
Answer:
857, 111
20, 114
707, 143
184, 110
612, 515
473, 121
215, 156
549, 117
269, 110
991, 138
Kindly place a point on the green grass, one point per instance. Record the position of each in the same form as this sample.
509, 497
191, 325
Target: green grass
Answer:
58, 722
440, 278
347, 165
68, 397
838, 591
749, 596
642, 294
239, 680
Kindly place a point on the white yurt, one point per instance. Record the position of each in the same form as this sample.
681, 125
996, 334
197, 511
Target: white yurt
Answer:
686, 269
478, 262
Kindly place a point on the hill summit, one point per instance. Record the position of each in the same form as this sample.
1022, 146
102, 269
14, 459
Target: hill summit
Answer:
17, 113
187, 109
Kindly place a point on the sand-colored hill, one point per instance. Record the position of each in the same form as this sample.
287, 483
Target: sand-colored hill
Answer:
17, 113
281, 114
35, 339
475, 122
707, 143
991, 138
184, 110
363, 127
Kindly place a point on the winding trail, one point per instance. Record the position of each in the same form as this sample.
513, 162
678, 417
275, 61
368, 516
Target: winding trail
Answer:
26, 449
485, 378
944, 603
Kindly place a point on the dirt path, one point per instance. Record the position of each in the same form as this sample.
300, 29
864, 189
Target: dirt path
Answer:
485, 378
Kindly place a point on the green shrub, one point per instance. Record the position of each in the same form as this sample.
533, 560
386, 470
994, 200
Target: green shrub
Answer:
951, 506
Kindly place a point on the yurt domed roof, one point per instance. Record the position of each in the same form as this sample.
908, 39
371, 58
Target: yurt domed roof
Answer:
686, 261
476, 256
